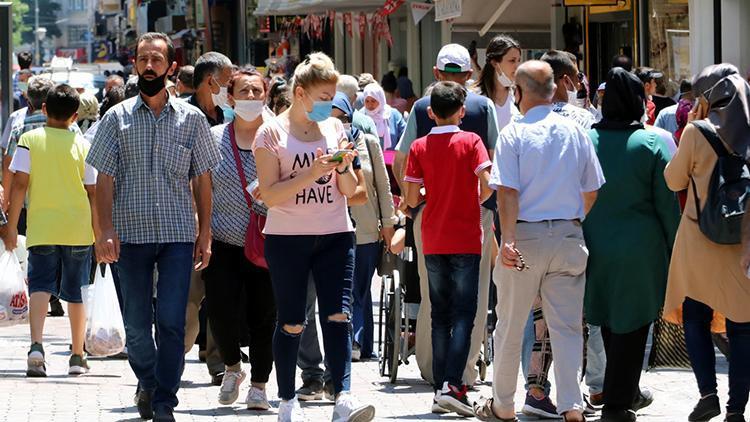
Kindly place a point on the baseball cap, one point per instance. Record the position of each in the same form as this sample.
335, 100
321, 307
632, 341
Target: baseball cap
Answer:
453, 58
646, 74
602, 86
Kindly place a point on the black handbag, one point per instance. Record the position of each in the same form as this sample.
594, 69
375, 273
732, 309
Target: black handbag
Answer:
387, 262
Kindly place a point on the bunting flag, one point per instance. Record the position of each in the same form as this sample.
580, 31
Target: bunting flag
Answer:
420, 10
348, 24
362, 25
390, 6
331, 18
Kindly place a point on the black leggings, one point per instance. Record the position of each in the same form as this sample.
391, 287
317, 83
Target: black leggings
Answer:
625, 353
235, 287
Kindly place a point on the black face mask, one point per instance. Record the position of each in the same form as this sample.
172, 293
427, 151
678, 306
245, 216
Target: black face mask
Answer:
154, 86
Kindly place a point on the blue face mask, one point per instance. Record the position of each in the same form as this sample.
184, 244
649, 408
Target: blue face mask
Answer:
228, 114
321, 111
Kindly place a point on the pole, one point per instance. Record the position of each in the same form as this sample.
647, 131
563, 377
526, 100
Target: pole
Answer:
6, 60
37, 54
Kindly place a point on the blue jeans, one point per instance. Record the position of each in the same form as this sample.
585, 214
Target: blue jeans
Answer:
331, 260
697, 318
596, 360
74, 263
367, 259
454, 289
158, 369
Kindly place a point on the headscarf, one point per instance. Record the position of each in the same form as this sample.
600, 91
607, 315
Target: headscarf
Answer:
624, 101
88, 111
381, 115
341, 102
683, 108
728, 105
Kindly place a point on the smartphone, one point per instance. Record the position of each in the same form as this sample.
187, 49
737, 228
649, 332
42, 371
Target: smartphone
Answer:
338, 155
251, 188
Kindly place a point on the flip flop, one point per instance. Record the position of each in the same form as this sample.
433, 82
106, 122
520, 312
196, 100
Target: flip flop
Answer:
485, 413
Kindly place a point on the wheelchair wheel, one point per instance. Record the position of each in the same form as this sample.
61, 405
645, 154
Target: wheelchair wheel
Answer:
382, 326
395, 328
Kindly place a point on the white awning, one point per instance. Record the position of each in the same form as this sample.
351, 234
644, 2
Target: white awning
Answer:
304, 7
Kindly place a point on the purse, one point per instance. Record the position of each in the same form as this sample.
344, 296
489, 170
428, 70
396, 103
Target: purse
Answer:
387, 263
254, 238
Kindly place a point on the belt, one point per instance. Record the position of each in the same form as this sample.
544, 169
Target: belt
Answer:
575, 221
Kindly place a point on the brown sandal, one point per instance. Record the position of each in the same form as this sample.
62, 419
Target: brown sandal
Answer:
565, 418
484, 412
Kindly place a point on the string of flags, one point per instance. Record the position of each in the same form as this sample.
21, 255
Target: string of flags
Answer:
313, 25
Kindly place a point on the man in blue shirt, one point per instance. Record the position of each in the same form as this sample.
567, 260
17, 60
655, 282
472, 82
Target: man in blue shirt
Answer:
547, 175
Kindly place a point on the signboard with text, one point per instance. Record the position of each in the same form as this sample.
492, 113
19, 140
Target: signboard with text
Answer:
447, 9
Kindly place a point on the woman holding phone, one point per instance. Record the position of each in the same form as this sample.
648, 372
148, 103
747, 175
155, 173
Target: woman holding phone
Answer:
309, 230
234, 285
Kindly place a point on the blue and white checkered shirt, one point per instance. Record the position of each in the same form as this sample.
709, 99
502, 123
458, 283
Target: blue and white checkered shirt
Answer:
152, 160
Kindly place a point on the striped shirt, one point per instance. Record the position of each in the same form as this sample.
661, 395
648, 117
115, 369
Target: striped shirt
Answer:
231, 215
152, 160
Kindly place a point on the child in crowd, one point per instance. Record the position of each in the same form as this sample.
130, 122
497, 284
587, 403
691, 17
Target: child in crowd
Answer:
60, 221
454, 168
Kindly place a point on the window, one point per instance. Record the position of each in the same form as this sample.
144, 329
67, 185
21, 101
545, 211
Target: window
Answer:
669, 33
77, 4
76, 33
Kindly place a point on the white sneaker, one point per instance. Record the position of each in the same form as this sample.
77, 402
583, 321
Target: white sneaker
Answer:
436, 408
347, 409
290, 411
257, 400
230, 386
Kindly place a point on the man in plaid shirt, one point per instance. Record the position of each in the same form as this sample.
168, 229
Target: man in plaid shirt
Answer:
148, 150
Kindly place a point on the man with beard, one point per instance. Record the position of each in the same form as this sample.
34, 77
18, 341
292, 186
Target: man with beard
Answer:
148, 150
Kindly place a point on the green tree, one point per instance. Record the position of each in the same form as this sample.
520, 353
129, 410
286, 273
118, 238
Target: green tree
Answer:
48, 10
20, 10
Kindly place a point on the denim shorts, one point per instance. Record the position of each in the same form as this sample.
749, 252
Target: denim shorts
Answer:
69, 264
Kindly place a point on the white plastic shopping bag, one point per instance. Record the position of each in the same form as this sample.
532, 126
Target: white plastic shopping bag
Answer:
14, 299
105, 331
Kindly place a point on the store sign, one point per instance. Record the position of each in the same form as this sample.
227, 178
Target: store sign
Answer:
571, 3
447, 9
420, 10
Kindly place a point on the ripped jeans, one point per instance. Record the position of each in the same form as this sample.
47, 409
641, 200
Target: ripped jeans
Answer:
330, 258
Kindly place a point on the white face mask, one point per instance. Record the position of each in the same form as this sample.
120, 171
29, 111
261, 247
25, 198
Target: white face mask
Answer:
572, 97
222, 98
348, 127
504, 80
248, 110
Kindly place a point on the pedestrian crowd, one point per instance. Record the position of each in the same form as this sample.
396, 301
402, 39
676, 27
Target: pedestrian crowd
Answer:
230, 205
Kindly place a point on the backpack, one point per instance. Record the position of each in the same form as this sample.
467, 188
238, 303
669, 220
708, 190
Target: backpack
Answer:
728, 190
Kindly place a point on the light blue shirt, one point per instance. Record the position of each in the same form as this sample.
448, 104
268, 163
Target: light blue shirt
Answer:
550, 161
667, 119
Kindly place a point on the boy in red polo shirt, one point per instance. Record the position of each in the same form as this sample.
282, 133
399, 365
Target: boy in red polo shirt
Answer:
454, 168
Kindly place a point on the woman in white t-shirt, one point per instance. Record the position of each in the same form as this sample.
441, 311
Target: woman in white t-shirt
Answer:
305, 180
498, 76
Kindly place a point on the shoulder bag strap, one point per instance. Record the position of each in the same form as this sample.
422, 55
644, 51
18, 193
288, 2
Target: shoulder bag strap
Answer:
238, 163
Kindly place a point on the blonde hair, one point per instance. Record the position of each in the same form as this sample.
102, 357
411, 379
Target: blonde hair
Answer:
317, 68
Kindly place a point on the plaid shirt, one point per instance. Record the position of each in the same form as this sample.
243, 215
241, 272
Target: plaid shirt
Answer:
32, 121
152, 160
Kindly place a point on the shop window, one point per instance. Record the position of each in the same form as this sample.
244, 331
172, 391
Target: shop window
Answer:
669, 39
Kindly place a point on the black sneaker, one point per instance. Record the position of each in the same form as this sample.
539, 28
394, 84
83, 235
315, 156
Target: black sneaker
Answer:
310, 390
734, 417
55, 307
328, 391
455, 399
217, 379
144, 405
543, 408
644, 399
164, 414
707, 408
617, 416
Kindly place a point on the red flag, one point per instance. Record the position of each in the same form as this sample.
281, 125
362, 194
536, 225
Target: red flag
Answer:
362, 25
390, 6
348, 24
331, 18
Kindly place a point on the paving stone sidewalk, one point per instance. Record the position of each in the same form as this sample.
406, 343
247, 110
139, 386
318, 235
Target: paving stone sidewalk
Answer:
106, 393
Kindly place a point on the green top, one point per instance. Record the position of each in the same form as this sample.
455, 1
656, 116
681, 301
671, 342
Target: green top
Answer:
629, 231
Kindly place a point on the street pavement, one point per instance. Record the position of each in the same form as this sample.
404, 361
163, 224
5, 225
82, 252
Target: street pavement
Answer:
106, 393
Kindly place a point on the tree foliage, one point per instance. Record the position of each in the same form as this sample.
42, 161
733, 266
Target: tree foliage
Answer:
20, 9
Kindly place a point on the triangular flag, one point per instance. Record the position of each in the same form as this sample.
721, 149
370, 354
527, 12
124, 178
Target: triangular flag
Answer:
420, 10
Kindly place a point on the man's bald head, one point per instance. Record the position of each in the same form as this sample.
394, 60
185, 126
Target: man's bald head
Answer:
536, 80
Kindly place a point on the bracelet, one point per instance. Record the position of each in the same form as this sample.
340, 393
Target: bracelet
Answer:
342, 172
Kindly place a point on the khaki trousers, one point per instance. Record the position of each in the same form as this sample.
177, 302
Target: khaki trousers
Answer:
556, 254
424, 321
214, 361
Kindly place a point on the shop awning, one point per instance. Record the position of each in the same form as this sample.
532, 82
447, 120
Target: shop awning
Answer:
304, 7
504, 16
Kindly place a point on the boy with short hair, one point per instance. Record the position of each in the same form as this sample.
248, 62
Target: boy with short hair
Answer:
454, 168
60, 221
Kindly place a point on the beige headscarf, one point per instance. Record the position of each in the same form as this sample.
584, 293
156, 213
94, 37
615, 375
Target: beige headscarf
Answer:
88, 108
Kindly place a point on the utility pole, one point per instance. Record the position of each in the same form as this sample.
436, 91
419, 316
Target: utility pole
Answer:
37, 54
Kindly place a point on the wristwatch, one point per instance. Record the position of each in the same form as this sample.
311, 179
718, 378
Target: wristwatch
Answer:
342, 172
